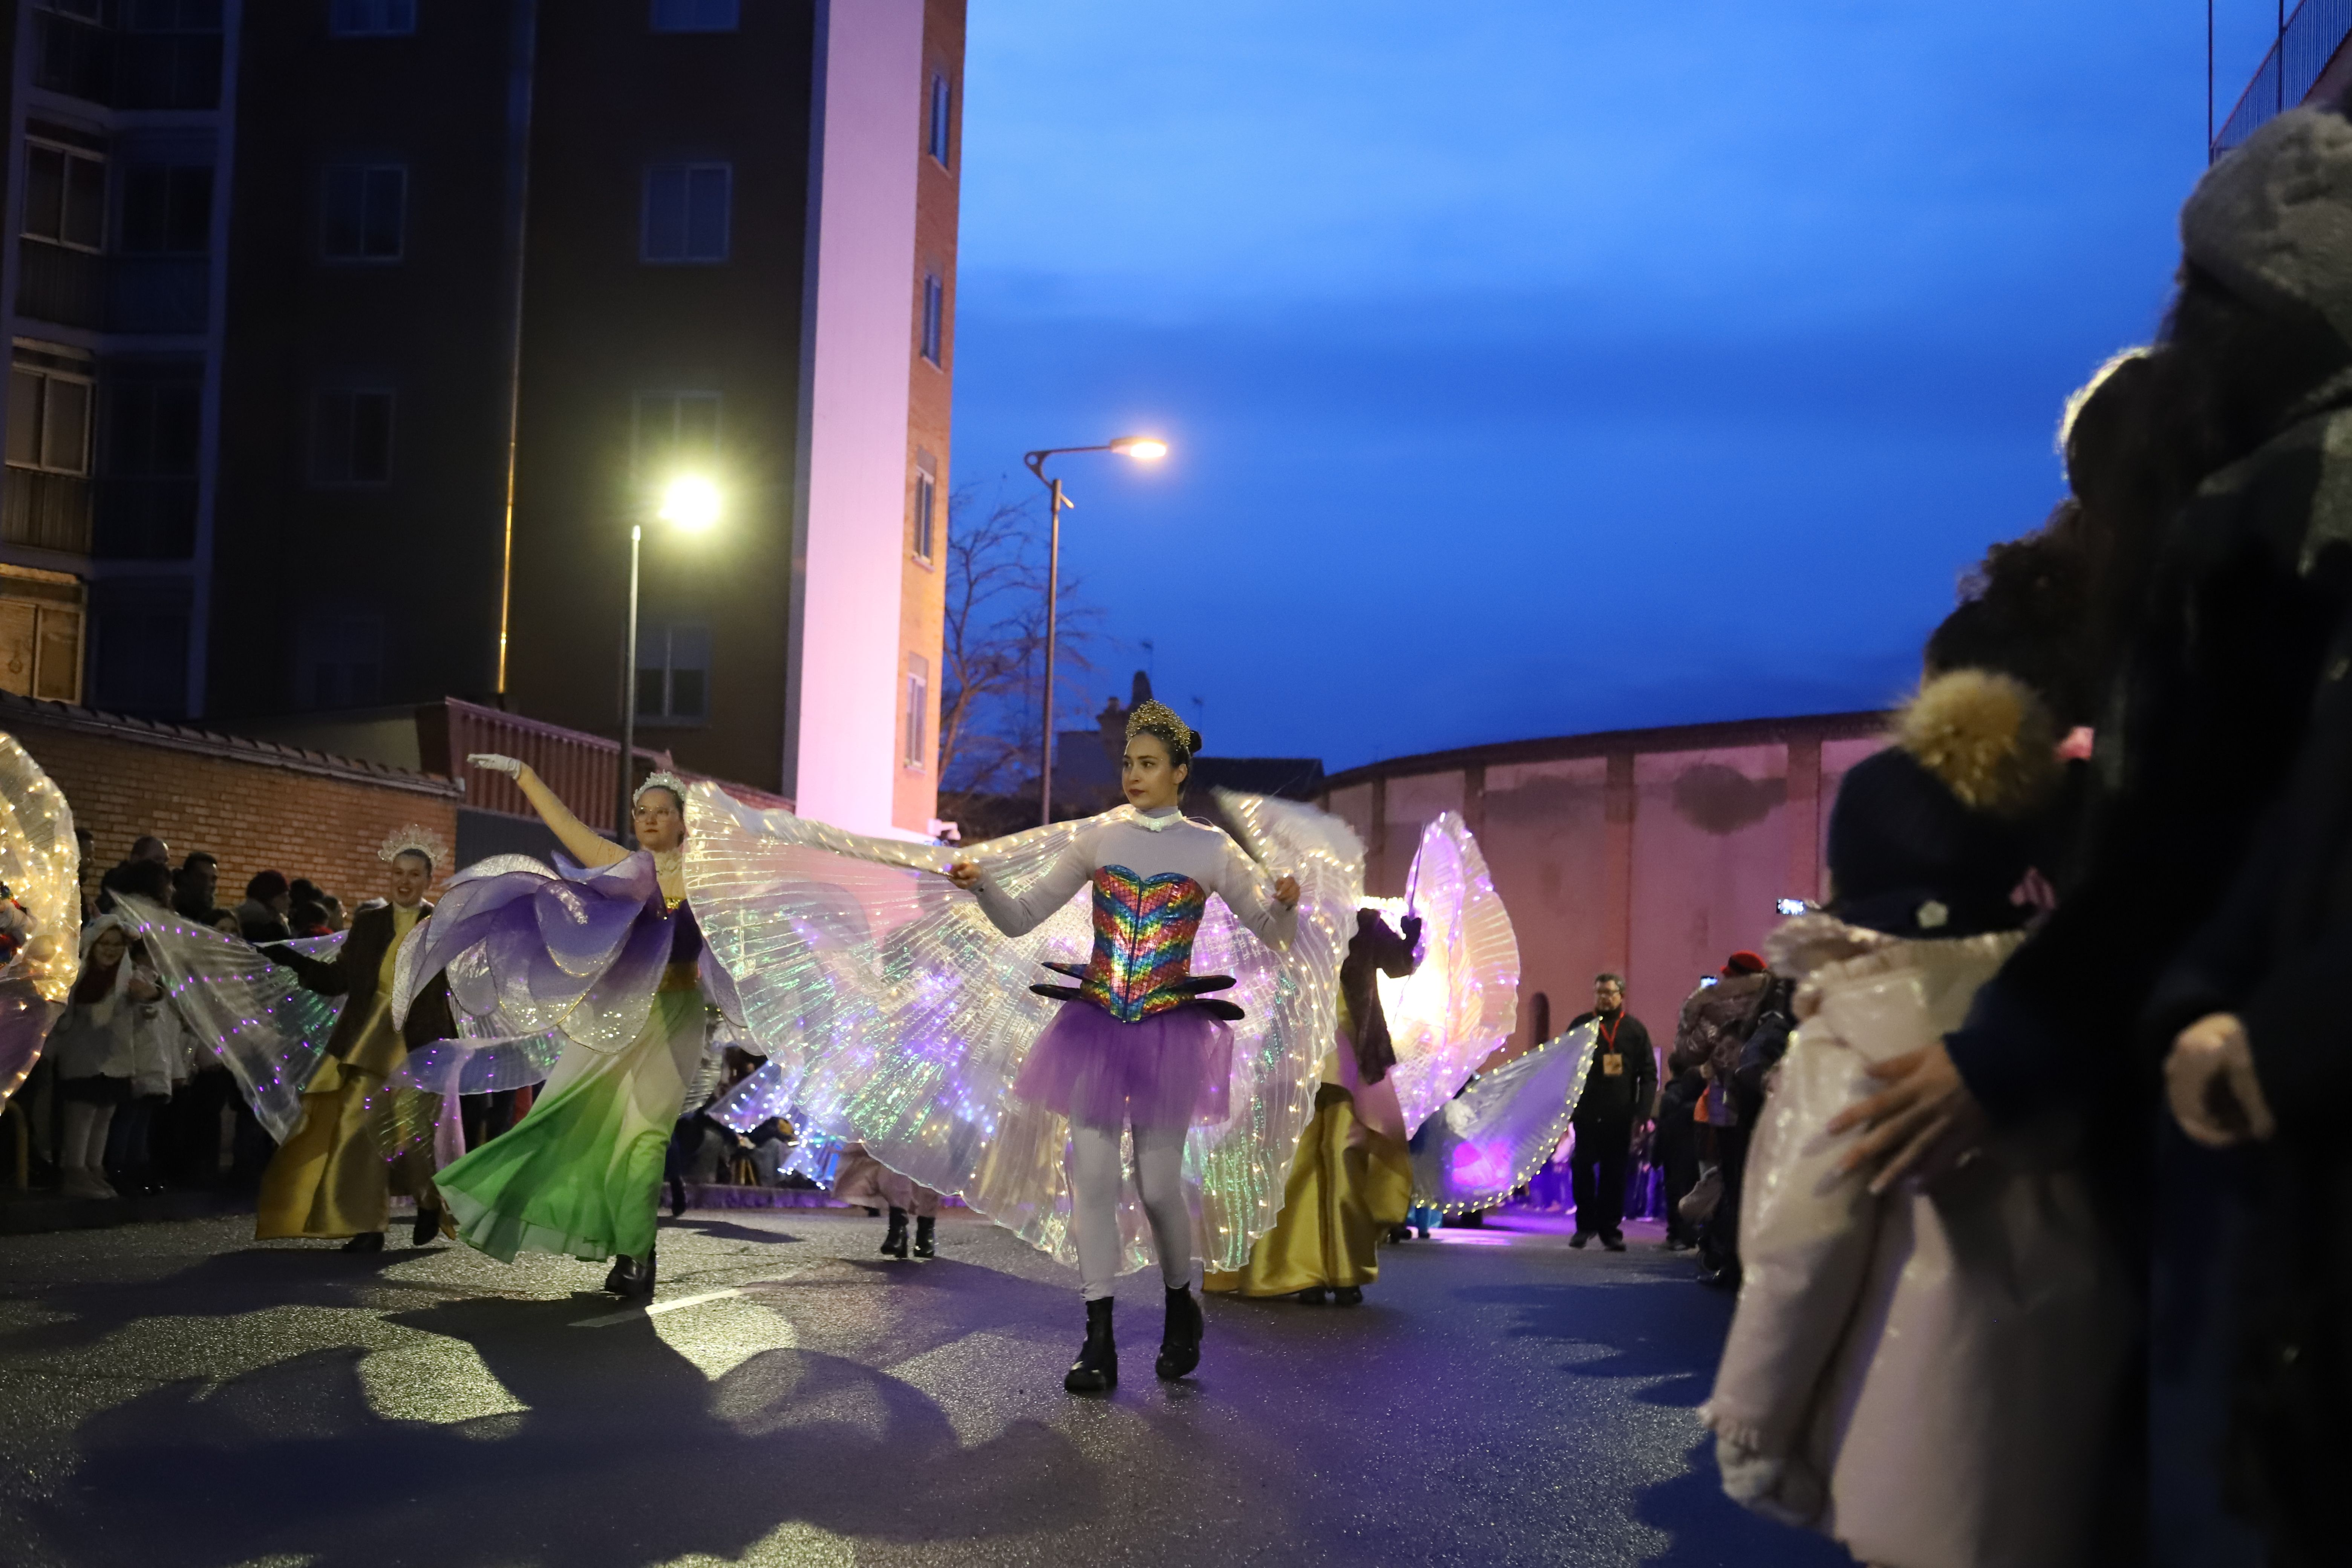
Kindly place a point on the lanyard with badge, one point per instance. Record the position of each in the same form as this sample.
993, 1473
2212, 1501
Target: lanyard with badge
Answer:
1612, 1060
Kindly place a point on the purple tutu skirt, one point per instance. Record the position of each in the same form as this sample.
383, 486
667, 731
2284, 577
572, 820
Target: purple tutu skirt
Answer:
1172, 1069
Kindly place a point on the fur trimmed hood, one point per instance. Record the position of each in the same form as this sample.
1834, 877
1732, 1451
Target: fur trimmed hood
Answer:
1987, 737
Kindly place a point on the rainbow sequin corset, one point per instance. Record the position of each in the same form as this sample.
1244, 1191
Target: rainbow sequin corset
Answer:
1143, 960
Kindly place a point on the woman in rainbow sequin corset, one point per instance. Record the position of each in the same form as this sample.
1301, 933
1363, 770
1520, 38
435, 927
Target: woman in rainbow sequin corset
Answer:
1145, 1046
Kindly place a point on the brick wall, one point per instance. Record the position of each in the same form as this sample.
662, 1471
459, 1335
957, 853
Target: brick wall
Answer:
254, 805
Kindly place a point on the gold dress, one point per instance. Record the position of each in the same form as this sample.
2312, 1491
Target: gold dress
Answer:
329, 1177
1352, 1180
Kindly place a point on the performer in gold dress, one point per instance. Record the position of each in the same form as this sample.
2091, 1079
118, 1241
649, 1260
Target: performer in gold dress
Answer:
330, 1176
1353, 1179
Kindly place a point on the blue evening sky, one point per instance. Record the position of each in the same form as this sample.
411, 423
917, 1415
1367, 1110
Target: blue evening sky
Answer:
1536, 366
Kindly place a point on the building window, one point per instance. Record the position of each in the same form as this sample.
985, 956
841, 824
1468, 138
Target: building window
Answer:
351, 438
167, 209
366, 209
696, 15
919, 707
342, 660
371, 18
64, 196
673, 674
942, 117
686, 211
927, 507
676, 432
935, 299
48, 420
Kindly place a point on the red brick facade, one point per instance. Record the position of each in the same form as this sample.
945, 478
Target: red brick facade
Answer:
255, 806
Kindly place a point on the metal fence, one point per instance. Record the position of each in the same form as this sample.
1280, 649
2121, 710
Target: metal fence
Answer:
2290, 71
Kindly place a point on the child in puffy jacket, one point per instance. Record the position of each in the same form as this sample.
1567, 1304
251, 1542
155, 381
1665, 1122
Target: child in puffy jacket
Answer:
97, 1046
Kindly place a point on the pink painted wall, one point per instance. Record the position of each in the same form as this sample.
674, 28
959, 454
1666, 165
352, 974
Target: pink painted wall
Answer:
1656, 853
850, 660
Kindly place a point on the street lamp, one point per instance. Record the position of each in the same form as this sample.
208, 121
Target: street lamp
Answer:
690, 505
1143, 448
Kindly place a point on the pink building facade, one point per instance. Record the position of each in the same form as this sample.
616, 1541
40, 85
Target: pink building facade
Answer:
1653, 853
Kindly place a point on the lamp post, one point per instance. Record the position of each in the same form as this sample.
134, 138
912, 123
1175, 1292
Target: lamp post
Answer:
690, 505
1143, 448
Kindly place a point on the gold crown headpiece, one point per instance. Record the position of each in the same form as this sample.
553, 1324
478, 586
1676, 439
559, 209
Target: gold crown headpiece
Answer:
415, 839
1153, 717
662, 779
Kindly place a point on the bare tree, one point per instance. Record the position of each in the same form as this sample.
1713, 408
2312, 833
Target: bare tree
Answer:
992, 685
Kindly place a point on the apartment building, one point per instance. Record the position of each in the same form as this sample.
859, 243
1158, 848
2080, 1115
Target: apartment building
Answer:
352, 337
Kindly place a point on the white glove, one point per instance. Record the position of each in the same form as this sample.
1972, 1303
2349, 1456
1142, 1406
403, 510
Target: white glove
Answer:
493, 762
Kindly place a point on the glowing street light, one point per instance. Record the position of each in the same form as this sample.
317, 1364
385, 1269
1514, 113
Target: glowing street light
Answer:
1142, 449
691, 502
691, 505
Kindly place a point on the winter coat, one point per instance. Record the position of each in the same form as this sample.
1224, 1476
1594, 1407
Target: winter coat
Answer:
1715, 1020
1925, 1377
102, 1038
2248, 597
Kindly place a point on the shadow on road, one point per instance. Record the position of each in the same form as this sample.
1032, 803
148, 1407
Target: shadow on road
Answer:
626, 1454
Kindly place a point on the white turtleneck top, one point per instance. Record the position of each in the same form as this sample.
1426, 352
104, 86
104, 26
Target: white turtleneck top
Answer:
1150, 843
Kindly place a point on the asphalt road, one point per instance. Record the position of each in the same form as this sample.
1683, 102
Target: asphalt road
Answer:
175, 1395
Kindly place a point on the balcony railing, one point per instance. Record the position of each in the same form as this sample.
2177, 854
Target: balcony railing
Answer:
126, 69
145, 519
48, 511
2290, 71
161, 294
158, 293
58, 283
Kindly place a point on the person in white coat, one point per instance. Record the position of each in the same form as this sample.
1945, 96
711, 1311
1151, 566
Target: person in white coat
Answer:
1922, 1370
96, 1045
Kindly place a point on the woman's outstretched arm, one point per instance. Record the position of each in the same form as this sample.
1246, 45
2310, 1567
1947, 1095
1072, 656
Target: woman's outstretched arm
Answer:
587, 846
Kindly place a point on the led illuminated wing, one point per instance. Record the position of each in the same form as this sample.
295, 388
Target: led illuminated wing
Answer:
891, 1010
1463, 1003
529, 953
41, 866
261, 1022
1480, 1146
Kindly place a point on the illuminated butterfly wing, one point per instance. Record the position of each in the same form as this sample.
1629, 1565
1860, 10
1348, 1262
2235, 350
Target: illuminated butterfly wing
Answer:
893, 1013
1484, 1145
1463, 1003
256, 1018
41, 864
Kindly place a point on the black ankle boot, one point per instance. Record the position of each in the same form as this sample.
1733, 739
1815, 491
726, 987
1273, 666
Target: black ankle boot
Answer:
630, 1279
1096, 1369
365, 1241
925, 1246
427, 1227
1180, 1342
894, 1245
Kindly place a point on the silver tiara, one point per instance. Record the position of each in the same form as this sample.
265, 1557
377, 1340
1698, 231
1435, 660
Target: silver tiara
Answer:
663, 779
415, 839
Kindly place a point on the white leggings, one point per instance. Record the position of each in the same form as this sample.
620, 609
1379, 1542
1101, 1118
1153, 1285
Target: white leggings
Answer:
1093, 1206
86, 1129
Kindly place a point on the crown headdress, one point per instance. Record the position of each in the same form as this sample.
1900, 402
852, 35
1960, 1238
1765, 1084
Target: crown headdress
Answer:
415, 839
1153, 717
661, 779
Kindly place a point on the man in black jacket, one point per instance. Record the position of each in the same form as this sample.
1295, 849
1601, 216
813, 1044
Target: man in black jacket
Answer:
1615, 1106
